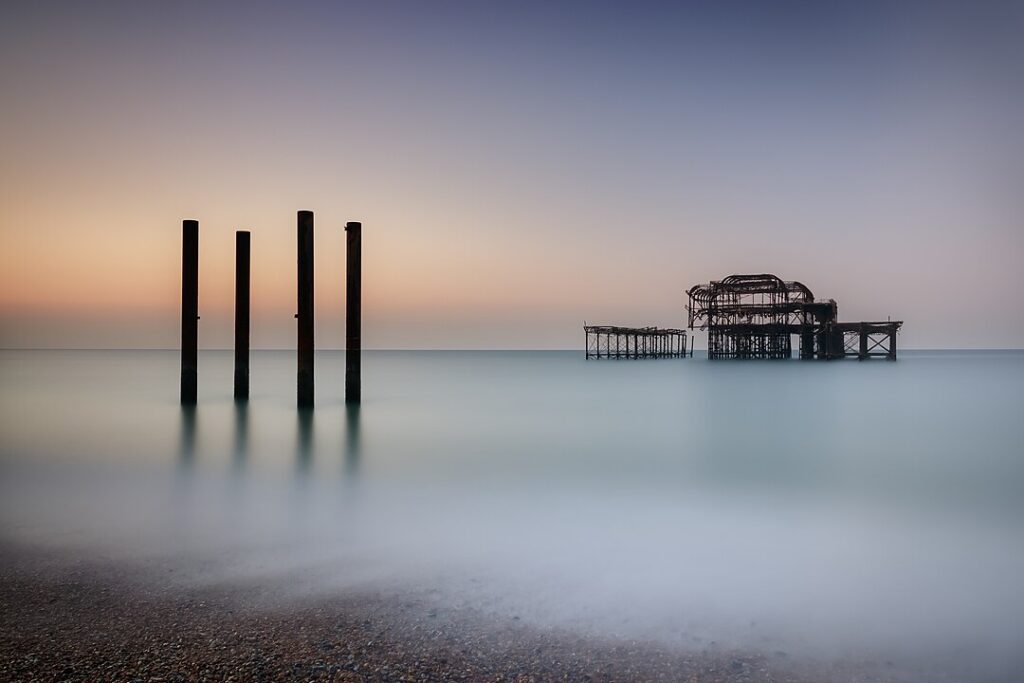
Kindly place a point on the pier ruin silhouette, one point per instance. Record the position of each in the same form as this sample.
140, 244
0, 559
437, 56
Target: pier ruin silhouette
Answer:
610, 341
748, 317
756, 316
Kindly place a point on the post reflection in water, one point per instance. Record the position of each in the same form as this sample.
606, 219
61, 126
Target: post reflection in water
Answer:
187, 438
240, 452
304, 440
353, 444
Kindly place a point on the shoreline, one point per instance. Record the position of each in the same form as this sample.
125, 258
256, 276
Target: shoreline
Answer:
77, 619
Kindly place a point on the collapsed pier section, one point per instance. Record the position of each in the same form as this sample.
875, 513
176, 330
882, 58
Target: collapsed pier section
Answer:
610, 341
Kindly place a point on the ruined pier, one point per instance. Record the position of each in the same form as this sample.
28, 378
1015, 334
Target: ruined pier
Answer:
759, 316
610, 341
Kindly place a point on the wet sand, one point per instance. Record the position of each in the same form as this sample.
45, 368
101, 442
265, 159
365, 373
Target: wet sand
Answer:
67, 619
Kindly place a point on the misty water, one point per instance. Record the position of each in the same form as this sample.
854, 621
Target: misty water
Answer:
837, 509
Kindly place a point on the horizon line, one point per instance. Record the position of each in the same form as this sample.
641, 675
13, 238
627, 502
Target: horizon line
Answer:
333, 348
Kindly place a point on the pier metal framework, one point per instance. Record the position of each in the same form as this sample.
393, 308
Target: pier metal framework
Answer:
867, 339
610, 341
756, 316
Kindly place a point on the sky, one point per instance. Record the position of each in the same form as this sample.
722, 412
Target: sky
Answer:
519, 168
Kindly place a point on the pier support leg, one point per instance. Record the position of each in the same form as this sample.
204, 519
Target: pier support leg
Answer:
353, 311
806, 345
862, 353
242, 241
305, 309
189, 311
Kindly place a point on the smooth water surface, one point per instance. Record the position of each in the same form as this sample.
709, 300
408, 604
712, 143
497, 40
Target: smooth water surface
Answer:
841, 506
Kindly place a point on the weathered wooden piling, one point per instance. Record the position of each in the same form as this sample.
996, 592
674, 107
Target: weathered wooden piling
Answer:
353, 311
189, 310
242, 242
305, 308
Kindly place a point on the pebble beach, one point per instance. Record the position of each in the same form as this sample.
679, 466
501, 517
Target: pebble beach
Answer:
63, 619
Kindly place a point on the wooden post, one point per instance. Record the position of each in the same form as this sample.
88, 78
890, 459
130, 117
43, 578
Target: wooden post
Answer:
189, 310
892, 342
862, 351
242, 241
305, 309
353, 311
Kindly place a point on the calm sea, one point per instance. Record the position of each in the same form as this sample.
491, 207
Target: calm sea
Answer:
843, 506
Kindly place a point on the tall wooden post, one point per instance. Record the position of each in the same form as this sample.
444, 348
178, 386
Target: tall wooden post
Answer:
305, 309
189, 310
242, 314
353, 311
